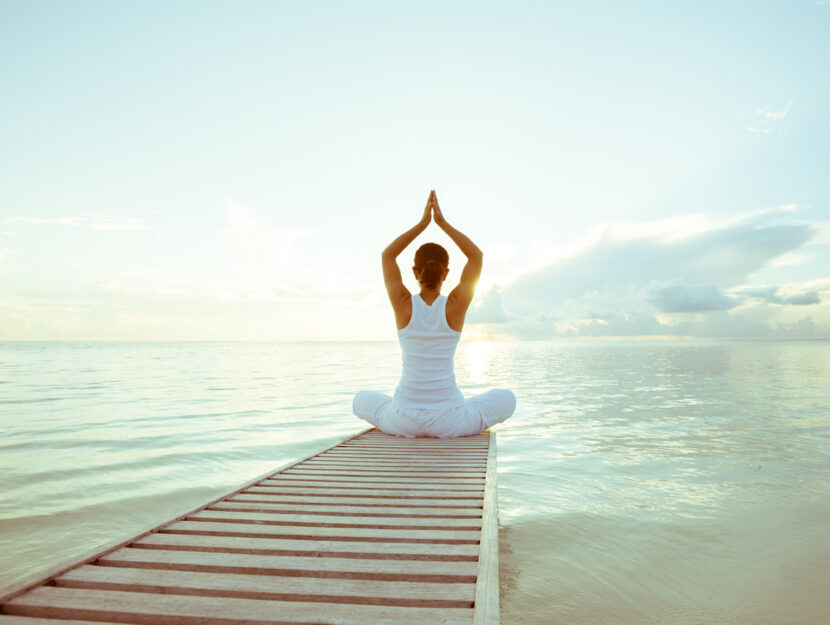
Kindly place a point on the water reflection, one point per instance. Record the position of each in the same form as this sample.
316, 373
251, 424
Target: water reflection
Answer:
671, 483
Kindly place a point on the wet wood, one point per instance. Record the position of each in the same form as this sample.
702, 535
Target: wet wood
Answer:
376, 529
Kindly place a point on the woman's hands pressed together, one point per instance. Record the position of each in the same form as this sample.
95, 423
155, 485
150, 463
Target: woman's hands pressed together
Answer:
433, 211
427, 216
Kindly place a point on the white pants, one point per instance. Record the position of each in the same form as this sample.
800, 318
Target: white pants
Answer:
476, 414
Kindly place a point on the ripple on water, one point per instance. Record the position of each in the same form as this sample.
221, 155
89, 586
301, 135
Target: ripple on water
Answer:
671, 483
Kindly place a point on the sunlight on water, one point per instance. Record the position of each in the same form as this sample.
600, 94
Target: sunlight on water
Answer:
671, 483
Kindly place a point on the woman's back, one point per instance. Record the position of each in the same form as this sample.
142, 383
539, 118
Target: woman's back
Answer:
427, 401
428, 347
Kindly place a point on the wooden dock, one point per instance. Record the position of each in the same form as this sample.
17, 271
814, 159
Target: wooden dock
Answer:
374, 530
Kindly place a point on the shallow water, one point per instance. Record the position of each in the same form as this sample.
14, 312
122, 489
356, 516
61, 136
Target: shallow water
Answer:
639, 482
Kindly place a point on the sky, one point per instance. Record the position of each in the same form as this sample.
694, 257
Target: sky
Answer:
232, 170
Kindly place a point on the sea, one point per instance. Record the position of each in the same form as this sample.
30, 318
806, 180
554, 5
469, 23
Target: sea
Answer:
639, 482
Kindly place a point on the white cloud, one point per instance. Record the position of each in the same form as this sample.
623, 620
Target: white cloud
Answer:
677, 296
658, 279
489, 310
788, 296
768, 120
791, 260
803, 299
769, 115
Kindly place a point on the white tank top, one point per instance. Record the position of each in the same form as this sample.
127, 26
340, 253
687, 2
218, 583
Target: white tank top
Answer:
428, 351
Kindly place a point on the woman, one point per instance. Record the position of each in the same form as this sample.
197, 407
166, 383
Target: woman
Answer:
427, 401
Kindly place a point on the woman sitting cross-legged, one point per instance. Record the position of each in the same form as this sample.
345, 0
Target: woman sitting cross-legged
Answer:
427, 401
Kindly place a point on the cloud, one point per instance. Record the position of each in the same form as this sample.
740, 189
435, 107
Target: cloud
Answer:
677, 296
659, 281
768, 119
489, 310
96, 222
765, 293
771, 295
618, 269
769, 115
791, 260
803, 299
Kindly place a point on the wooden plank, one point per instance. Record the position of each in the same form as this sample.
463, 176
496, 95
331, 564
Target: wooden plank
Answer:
317, 548
45, 576
377, 434
397, 464
416, 461
365, 494
431, 474
385, 450
366, 501
436, 571
369, 479
229, 528
270, 588
348, 468
359, 447
159, 609
394, 488
420, 449
487, 578
229, 509
405, 457
8, 619
424, 440
275, 504
379, 529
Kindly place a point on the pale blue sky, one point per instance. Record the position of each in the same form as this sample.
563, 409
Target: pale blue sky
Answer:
218, 170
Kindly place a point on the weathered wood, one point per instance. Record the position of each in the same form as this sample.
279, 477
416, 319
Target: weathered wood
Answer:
230, 509
377, 529
44, 577
287, 482
304, 566
8, 619
269, 587
276, 504
447, 475
333, 466
341, 494
230, 527
364, 479
318, 548
407, 459
396, 464
377, 452
419, 449
353, 500
487, 579
159, 609
377, 434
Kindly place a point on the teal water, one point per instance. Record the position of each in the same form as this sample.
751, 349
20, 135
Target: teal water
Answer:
675, 482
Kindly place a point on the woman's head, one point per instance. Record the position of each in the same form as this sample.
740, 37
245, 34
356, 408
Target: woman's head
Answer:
431, 265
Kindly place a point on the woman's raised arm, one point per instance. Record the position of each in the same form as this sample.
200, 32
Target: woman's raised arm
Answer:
391, 273
460, 297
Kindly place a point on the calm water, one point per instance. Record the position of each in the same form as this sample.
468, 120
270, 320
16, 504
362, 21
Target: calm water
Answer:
639, 482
